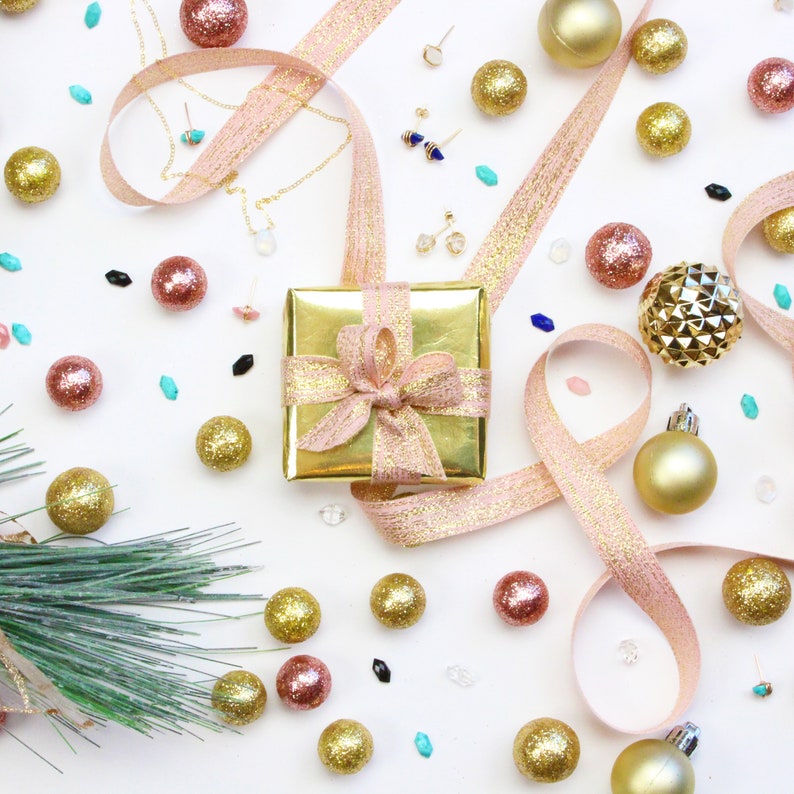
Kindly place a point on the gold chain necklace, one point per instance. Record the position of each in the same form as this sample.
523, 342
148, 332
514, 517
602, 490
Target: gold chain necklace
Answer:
265, 239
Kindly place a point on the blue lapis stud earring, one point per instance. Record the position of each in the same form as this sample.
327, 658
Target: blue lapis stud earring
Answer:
412, 137
433, 149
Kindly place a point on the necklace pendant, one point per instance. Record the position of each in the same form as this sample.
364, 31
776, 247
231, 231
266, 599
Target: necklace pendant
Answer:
265, 242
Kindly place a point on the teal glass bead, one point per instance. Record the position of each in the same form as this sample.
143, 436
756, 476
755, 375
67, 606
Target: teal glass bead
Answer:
92, 15
749, 406
10, 262
782, 296
486, 175
168, 387
80, 94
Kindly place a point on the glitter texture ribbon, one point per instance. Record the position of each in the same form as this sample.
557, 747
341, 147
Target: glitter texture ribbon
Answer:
775, 195
375, 371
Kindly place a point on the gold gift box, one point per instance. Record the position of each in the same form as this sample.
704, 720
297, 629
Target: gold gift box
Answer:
446, 317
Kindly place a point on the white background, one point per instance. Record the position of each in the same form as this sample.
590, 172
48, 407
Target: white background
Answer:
145, 444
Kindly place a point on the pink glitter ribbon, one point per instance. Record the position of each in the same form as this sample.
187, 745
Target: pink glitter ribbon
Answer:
375, 371
775, 195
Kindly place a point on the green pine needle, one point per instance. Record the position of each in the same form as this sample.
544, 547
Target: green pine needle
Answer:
68, 610
13, 453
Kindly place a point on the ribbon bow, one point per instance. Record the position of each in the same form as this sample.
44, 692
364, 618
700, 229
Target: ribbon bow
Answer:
374, 371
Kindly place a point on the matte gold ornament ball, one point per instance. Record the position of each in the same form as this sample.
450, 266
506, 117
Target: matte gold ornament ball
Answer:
17, 6
345, 747
498, 88
756, 591
32, 174
397, 600
690, 314
240, 697
292, 614
546, 750
779, 230
663, 129
652, 766
659, 46
223, 443
79, 501
579, 33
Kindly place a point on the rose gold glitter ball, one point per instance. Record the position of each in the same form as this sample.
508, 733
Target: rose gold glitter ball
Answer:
771, 85
74, 383
179, 283
618, 255
213, 23
520, 598
303, 682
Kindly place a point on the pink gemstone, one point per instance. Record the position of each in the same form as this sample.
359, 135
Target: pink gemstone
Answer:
5, 337
521, 598
303, 682
246, 312
578, 386
74, 383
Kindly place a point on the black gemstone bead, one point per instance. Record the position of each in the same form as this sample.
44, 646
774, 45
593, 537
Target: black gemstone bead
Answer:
719, 192
243, 364
118, 278
381, 669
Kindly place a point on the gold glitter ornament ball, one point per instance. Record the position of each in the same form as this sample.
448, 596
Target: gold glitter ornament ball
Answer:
690, 314
79, 501
345, 747
292, 615
397, 600
240, 697
779, 230
756, 591
663, 129
498, 88
17, 6
652, 766
223, 443
546, 750
32, 174
579, 33
659, 46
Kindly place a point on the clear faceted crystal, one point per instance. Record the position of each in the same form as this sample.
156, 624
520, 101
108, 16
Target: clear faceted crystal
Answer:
456, 243
433, 55
460, 675
765, 489
629, 651
560, 251
425, 243
333, 514
265, 242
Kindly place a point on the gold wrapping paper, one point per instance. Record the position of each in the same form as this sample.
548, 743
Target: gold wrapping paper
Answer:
446, 317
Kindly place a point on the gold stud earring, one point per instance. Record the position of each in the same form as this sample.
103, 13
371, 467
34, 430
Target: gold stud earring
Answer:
191, 136
432, 54
412, 137
762, 688
455, 242
433, 149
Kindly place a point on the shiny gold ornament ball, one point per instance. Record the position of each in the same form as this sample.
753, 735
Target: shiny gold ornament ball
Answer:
79, 501
579, 33
779, 230
659, 46
397, 600
546, 750
223, 443
498, 88
663, 129
17, 6
690, 314
756, 591
292, 614
32, 174
240, 697
652, 766
345, 747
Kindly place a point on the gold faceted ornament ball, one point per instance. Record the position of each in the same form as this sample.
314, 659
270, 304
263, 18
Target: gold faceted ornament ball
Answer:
690, 314
17, 6
79, 501
345, 747
546, 750
663, 129
397, 600
579, 33
240, 697
756, 591
292, 615
779, 230
223, 443
498, 88
32, 174
659, 46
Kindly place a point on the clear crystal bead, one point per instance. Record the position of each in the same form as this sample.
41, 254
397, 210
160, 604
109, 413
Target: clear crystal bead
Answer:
460, 675
629, 651
456, 243
765, 489
560, 251
333, 514
433, 55
265, 242
425, 243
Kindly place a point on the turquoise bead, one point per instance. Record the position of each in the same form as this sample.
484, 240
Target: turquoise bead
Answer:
486, 175
423, 744
80, 94
168, 387
92, 15
749, 406
782, 296
21, 333
196, 136
10, 262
